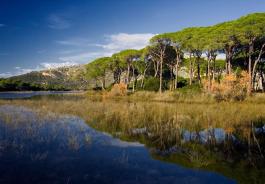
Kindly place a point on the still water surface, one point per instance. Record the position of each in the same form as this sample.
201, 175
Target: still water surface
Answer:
37, 149
19, 95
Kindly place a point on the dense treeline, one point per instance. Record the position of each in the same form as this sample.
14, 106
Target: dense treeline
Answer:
16, 85
242, 41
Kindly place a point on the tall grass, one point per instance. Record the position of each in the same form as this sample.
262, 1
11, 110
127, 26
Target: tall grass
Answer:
142, 110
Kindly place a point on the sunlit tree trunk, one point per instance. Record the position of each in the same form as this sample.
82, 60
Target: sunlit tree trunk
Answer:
128, 74
133, 79
142, 82
171, 78
208, 54
256, 62
156, 67
161, 72
229, 55
198, 57
191, 70
178, 57
198, 72
176, 78
251, 50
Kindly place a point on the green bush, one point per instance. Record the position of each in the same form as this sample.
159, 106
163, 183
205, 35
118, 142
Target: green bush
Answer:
152, 84
194, 89
182, 82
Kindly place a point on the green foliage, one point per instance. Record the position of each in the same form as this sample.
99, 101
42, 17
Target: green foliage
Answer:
182, 82
16, 85
192, 89
151, 84
97, 68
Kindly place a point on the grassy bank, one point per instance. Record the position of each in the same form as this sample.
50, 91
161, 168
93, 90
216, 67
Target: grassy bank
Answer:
145, 109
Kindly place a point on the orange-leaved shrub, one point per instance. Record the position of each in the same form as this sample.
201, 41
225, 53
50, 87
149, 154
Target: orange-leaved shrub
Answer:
231, 87
118, 90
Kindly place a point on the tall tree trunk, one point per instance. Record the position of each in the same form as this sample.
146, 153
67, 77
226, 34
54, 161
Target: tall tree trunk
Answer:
171, 78
193, 66
198, 71
176, 78
256, 62
176, 68
250, 52
262, 81
229, 55
208, 69
161, 73
128, 74
211, 69
155, 68
214, 68
102, 84
133, 80
228, 65
142, 83
191, 70
198, 57
119, 76
104, 81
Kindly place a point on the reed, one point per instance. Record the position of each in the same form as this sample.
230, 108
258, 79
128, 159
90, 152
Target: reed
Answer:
165, 120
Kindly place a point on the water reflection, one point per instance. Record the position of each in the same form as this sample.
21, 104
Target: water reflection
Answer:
214, 149
47, 148
213, 134
29, 94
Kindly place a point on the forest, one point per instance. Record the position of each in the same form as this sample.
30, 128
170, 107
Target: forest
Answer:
195, 52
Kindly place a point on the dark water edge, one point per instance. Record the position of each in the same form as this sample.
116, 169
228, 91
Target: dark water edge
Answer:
65, 149
30, 94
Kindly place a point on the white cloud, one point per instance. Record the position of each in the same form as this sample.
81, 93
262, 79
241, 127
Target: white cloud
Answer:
43, 66
5, 75
112, 44
75, 42
117, 42
84, 57
17, 71
58, 22
57, 65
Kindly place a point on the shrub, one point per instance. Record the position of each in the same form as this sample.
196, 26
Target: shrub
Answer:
152, 84
191, 89
182, 82
118, 90
231, 87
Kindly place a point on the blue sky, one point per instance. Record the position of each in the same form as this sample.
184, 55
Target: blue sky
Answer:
39, 34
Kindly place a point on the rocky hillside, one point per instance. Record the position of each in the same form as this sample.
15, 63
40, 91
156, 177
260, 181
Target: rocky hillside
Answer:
72, 78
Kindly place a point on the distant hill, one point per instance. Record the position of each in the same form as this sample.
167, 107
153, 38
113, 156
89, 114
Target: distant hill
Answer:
72, 78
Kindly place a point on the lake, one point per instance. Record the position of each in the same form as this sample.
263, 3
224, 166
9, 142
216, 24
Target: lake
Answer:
72, 139
17, 95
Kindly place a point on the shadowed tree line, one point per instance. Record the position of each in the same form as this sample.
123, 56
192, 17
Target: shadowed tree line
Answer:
17, 85
196, 49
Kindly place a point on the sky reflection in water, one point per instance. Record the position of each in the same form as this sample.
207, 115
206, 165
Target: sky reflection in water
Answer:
66, 150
